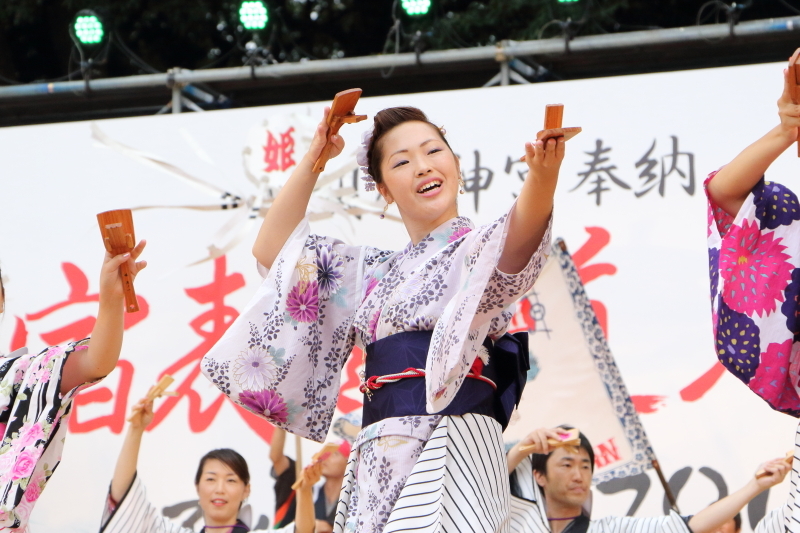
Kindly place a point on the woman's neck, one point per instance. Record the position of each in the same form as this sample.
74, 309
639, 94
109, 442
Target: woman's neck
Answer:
222, 526
418, 229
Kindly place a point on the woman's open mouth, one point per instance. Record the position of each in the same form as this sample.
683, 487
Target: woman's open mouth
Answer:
428, 187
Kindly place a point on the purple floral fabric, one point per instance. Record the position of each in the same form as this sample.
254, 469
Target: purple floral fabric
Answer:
755, 284
33, 425
283, 357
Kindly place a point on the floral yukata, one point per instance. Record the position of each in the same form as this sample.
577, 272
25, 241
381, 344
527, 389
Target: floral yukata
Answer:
755, 285
282, 359
33, 425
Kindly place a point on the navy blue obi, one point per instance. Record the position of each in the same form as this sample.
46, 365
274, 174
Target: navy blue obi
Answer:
508, 368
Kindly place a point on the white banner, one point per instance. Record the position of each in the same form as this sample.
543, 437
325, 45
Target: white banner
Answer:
573, 369
629, 205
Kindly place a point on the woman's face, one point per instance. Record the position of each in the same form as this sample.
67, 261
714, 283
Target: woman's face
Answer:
420, 173
221, 493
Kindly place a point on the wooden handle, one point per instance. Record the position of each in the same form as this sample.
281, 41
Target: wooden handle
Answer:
131, 303
319, 165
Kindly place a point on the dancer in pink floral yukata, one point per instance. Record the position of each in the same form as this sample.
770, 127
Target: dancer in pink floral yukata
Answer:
754, 255
36, 393
754, 262
441, 375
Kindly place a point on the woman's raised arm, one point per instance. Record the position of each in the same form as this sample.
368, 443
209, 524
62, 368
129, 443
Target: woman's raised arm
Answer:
733, 182
290, 205
141, 416
529, 218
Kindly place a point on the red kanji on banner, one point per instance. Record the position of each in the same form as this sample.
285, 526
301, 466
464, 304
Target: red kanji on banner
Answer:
80, 329
278, 155
210, 326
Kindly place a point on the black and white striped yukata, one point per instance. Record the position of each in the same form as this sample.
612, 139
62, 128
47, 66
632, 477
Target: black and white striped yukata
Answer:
529, 515
135, 514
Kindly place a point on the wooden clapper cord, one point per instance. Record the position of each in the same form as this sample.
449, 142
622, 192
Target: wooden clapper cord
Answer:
116, 228
342, 112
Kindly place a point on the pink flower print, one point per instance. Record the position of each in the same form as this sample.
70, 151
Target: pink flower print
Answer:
52, 352
29, 434
34, 489
6, 464
373, 325
755, 269
26, 462
772, 380
371, 284
266, 403
303, 302
44, 375
457, 234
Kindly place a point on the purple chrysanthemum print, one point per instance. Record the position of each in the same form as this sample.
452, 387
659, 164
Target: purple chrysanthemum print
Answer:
302, 304
775, 205
458, 233
330, 272
713, 270
266, 403
755, 269
791, 305
738, 342
772, 380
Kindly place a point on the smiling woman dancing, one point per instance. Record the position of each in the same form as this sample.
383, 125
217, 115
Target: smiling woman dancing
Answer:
431, 318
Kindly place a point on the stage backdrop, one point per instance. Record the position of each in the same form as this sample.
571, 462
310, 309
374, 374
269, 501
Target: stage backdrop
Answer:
629, 205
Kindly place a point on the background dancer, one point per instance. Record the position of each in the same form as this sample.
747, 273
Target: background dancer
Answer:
552, 490
222, 483
435, 307
285, 474
36, 393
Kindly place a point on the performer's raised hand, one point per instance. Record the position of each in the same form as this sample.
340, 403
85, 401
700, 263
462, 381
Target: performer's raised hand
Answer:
110, 278
536, 441
141, 414
772, 472
788, 111
321, 137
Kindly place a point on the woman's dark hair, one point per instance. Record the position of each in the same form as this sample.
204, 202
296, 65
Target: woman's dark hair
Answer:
539, 460
231, 458
385, 121
737, 522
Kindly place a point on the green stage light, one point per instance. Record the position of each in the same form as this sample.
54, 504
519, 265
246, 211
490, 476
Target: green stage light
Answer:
253, 15
88, 28
416, 7
568, 1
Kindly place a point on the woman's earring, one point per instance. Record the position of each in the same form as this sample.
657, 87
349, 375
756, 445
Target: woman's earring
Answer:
461, 186
385, 208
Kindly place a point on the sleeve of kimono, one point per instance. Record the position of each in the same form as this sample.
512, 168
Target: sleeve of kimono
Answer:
671, 523
526, 512
135, 514
484, 294
33, 416
755, 286
282, 358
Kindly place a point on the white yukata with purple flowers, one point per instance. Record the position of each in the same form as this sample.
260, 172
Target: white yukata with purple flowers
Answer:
283, 357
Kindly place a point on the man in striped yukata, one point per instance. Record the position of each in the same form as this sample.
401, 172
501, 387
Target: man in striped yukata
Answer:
550, 489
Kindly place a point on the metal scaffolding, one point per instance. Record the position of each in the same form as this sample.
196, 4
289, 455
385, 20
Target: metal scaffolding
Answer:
503, 54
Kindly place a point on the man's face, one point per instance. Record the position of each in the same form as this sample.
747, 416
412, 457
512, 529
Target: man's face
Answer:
568, 478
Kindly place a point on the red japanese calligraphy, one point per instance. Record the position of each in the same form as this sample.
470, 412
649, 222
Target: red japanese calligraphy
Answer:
346, 404
77, 330
278, 155
598, 239
210, 326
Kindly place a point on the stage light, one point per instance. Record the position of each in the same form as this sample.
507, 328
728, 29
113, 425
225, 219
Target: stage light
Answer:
568, 1
87, 28
253, 15
416, 7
